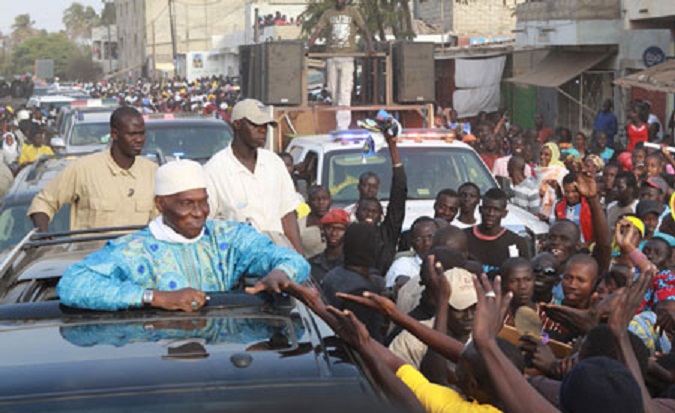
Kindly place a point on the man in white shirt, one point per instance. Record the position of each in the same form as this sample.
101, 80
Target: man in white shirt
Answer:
247, 183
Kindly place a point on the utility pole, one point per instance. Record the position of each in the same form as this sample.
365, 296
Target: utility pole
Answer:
172, 23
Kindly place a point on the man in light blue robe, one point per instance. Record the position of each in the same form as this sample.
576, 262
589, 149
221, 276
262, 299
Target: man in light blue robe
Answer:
180, 256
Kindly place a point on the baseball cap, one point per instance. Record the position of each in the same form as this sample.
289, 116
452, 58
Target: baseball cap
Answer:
657, 182
336, 216
647, 206
252, 110
463, 292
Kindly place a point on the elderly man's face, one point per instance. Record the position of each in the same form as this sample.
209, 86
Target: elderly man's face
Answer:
185, 212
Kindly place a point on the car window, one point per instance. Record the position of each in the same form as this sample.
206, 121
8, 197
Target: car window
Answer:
311, 166
15, 224
184, 140
90, 134
429, 170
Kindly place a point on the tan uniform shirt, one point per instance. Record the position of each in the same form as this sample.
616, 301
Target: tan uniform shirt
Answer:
101, 193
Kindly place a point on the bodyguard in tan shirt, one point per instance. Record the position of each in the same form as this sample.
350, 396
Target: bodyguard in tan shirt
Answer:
110, 188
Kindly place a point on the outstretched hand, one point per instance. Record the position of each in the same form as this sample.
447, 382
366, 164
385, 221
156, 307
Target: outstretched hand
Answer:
274, 282
349, 328
491, 309
373, 301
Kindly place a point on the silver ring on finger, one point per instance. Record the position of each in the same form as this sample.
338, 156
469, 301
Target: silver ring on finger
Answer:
490, 294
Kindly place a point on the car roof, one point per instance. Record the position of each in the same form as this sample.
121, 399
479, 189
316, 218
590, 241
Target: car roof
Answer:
329, 142
98, 116
237, 349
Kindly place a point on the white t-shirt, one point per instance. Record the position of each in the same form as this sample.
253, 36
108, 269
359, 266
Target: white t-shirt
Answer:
260, 198
408, 266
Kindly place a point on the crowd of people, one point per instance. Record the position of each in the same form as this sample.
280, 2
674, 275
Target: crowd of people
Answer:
472, 318
456, 313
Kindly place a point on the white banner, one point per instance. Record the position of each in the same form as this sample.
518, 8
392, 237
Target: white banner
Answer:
477, 82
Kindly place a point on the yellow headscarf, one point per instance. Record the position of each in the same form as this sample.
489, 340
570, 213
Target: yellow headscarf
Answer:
555, 154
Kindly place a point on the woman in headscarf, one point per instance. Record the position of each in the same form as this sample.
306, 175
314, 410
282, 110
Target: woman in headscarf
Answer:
10, 148
550, 174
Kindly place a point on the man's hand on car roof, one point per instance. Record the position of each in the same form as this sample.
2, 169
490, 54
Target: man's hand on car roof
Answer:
186, 299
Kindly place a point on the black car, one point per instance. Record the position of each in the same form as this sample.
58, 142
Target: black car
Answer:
239, 353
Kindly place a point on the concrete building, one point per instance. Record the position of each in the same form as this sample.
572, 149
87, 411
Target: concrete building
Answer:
212, 27
104, 50
568, 52
145, 39
467, 19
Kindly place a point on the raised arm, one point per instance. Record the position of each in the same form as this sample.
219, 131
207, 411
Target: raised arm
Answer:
628, 301
603, 250
512, 389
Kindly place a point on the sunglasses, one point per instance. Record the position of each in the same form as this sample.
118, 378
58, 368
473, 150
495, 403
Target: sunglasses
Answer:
545, 270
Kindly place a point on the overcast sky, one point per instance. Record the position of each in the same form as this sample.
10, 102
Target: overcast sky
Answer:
47, 14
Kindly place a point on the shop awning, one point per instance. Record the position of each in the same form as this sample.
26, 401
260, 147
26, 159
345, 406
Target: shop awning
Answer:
660, 78
559, 67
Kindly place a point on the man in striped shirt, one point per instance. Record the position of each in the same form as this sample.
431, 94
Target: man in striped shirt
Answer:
526, 190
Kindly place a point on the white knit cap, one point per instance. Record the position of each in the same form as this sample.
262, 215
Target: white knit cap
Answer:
179, 176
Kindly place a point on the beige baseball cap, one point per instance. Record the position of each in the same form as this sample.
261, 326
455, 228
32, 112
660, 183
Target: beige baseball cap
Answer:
463, 293
254, 111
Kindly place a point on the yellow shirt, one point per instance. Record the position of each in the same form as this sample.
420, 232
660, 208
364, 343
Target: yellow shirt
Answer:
101, 194
30, 153
439, 399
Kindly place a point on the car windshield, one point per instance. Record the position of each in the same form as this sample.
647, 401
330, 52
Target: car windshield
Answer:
429, 170
15, 224
186, 140
90, 134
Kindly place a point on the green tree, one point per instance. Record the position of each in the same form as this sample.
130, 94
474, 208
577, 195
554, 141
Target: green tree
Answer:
54, 46
79, 21
22, 28
381, 16
81, 67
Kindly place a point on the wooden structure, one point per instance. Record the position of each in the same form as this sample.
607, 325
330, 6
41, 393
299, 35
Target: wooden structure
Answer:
319, 118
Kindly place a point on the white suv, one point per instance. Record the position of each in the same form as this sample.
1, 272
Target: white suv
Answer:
432, 162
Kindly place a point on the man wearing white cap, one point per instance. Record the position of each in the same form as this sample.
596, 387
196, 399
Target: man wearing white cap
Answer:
247, 183
180, 256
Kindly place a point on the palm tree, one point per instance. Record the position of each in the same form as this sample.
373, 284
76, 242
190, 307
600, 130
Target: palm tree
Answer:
79, 21
380, 16
22, 28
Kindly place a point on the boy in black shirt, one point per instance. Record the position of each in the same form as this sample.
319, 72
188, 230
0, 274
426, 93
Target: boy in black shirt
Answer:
489, 242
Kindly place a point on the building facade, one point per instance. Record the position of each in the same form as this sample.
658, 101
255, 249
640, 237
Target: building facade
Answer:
104, 48
568, 53
469, 19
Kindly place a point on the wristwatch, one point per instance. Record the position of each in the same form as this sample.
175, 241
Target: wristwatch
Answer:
147, 297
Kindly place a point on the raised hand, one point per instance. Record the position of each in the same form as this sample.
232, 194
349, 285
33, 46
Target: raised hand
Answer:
491, 309
438, 281
586, 184
624, 233
627, 303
